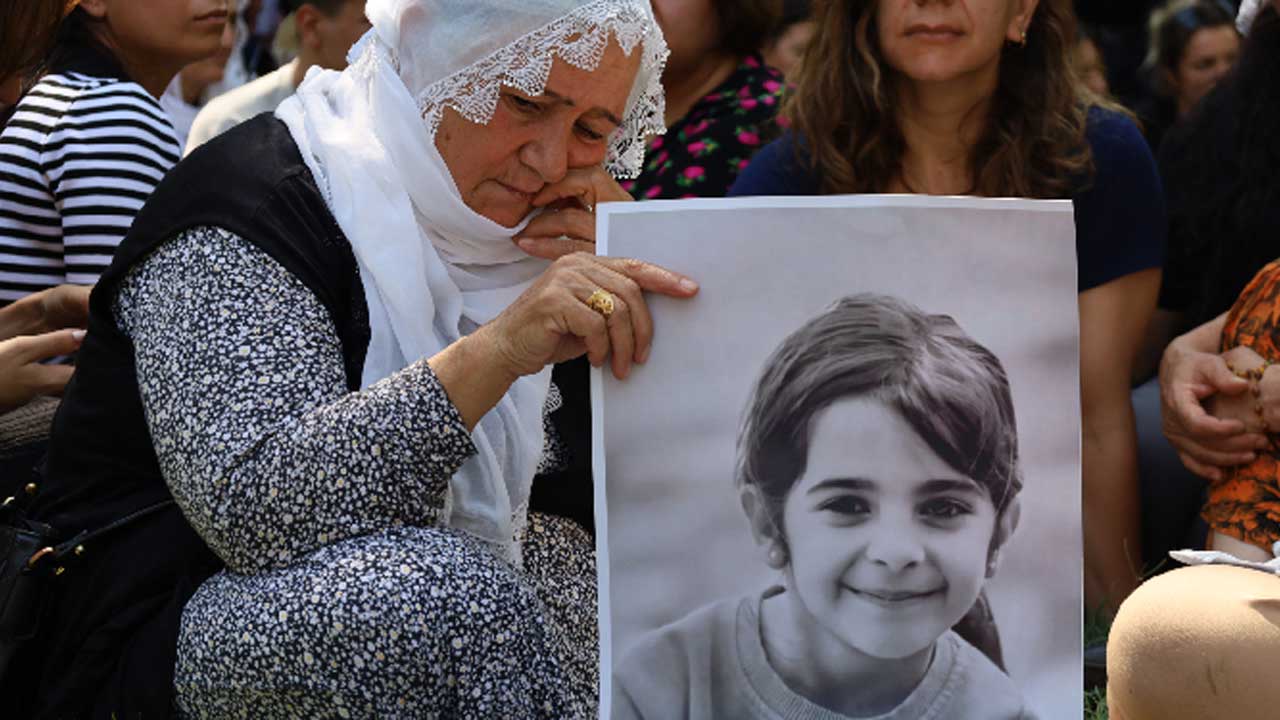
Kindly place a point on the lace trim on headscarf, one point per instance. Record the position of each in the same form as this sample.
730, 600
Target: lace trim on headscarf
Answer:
578, 38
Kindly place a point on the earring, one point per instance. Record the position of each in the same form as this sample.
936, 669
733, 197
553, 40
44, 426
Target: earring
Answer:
777, 557
1023, 40
993, 563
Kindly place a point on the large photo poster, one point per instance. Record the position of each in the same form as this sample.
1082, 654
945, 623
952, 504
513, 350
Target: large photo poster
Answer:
846, 482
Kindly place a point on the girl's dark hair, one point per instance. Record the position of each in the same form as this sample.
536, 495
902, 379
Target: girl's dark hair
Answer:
951, 390
77, 35
845, 112
746, 25
1170, 29
27, 34
1219, 170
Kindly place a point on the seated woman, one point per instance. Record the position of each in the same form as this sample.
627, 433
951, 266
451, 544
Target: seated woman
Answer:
321, 338
936, 99
1201, 642
886, 512
721, 98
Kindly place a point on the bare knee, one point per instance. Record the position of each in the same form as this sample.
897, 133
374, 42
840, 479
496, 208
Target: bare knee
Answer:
1190, 644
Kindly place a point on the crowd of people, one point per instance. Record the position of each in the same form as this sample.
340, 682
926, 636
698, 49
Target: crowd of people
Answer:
319, 310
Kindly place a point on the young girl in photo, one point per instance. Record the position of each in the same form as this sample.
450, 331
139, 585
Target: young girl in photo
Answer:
878, 469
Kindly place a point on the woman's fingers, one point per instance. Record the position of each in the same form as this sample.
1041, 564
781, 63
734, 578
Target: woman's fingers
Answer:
589, 186
49, 379
34, 348
591, 328
653, 278
630, 316
1208, 472
554, 248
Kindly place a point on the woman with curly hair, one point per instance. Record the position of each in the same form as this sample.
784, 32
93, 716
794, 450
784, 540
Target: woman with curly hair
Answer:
980, 98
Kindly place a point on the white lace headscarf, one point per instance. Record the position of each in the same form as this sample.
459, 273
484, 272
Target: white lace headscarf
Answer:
433, 270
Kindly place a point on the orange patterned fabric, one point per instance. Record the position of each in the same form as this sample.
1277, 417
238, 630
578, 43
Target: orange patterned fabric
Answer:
1245, 503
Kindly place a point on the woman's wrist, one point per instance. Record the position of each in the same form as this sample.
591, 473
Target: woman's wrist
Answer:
474, 374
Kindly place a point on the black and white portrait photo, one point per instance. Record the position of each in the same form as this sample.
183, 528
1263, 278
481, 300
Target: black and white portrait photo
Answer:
846, 482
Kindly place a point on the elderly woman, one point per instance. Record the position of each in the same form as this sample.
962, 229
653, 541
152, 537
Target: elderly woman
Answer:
980, 99
321, 338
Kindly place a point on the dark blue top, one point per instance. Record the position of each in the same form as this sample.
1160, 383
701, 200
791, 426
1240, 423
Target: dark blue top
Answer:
1120, 213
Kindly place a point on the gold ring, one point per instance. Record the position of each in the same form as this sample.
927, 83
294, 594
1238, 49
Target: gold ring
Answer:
602, 302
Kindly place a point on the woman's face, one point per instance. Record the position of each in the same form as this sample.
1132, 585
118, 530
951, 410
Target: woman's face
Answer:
163, 31
1210, 54
932, 41
887, 544
1090, 68
532, 142
691, 28
787, 51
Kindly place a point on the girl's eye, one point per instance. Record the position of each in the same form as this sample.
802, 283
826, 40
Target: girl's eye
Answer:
846, 505
944, 509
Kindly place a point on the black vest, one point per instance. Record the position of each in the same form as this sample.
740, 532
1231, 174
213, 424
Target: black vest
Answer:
109, 642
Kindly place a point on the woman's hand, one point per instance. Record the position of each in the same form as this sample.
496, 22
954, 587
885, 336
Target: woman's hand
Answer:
569, 223
1189, 376
23, 377
65, 306
551, 322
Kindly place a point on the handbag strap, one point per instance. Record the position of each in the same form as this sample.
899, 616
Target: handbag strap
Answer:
75, 545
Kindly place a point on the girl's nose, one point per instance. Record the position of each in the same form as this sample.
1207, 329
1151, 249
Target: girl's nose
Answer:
895, 550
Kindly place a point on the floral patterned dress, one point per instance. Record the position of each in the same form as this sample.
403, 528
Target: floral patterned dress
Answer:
1245, 503
703, 152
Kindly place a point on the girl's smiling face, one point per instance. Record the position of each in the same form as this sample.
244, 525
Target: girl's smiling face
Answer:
887, 544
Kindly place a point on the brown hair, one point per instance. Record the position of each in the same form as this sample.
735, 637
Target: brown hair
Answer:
27, 34
1170, 30
746, 25
1033, 146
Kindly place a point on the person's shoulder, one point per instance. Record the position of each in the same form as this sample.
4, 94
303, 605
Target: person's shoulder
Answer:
662, 667
780, 168
253, 98
984, 690
685, 641
1115, 141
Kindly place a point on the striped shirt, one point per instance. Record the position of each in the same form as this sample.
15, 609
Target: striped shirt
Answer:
78, 158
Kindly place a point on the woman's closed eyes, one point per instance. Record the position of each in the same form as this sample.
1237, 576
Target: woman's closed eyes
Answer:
532, 109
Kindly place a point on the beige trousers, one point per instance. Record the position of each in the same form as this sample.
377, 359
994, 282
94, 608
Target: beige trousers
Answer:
1197, 643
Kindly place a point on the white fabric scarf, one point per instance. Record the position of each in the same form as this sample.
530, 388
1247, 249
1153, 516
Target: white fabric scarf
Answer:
433, 270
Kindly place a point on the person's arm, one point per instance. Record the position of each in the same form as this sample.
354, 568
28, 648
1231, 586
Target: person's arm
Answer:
241, 376
1112, 318
1161, 330
103, 160
240, 372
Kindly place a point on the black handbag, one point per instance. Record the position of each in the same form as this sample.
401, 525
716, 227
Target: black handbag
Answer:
30, 555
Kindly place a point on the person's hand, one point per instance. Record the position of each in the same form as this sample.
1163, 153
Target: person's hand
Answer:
569, 223
551, 321
1205, 444
23, 377
65, 306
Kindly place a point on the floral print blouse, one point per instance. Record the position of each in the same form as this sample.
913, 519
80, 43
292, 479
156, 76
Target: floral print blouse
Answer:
703, 152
